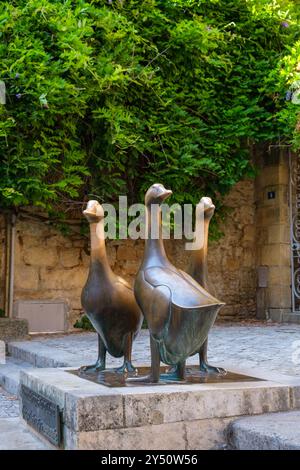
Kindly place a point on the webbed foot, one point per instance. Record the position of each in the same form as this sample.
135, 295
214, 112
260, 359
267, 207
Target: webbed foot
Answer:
145, 379
208, 369
174, 373
97, 367
126, 368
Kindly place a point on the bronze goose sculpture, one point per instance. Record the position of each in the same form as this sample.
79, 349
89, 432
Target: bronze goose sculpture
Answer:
108, 300
198, 270
179, 312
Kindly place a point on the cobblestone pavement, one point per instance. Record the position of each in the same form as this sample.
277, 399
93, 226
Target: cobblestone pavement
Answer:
272, 347
9, 405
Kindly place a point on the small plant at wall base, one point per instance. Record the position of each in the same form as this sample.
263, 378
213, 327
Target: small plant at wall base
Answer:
84, 323
107, 97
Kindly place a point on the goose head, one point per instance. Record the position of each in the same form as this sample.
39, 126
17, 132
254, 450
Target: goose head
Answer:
93, 212
208, 207
156, 194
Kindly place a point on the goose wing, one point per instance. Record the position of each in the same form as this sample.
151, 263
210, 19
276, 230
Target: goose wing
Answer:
185, 292
155, 303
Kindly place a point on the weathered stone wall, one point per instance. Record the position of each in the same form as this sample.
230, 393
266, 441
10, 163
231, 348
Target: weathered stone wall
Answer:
51, 266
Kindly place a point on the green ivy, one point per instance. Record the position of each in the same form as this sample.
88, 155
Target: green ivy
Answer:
106, 97
84, 323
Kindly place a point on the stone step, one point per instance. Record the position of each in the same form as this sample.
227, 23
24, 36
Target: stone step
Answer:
10, 374
41, 355
274, 431
15, 435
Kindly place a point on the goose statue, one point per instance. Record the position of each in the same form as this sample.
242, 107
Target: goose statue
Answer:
179, 312
198, 270
108, 300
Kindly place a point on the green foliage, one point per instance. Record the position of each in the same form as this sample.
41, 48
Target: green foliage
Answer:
2, 313
84, 323
108, 97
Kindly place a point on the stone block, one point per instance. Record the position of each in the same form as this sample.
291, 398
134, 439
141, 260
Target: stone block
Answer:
60, 279
269, 176
279, 297
160, 437
111, 253
12, 329
186, 404
131, 267
275, 255
207, 434
295, 392
289, 317
126, 253
58, 240
249, 233
80, 243
70, 257
39, 256
26, 277
91, 412
249, 258
279, 233
279, 276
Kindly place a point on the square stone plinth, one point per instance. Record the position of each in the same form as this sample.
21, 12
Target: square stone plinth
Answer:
168, 417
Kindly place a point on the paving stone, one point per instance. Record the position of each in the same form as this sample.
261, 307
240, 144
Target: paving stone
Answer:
16, 436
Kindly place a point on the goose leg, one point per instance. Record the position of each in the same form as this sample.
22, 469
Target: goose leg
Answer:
127, 365
175, 373
100, 363
153, 377
155, 361
204, 366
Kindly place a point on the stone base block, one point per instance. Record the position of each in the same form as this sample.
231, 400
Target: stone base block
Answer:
281, 315
168, 417
13, 329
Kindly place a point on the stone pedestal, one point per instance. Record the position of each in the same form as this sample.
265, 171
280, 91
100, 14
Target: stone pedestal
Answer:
163, 417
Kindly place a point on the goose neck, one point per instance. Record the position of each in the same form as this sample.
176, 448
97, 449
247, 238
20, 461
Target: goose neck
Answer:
199, 270
98, 249
154, 247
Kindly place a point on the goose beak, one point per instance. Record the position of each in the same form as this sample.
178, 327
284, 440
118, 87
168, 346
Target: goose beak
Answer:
166, 194
207, 203
90, 209
93, 211
88, 213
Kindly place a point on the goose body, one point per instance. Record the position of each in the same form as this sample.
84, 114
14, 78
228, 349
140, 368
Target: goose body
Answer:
108, 300
179, 312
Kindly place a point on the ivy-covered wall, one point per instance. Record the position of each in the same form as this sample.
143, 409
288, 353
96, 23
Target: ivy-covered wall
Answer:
107, 97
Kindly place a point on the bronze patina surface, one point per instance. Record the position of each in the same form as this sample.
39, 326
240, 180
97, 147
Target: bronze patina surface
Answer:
108, 300
179, 312
109, 378
199, 271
